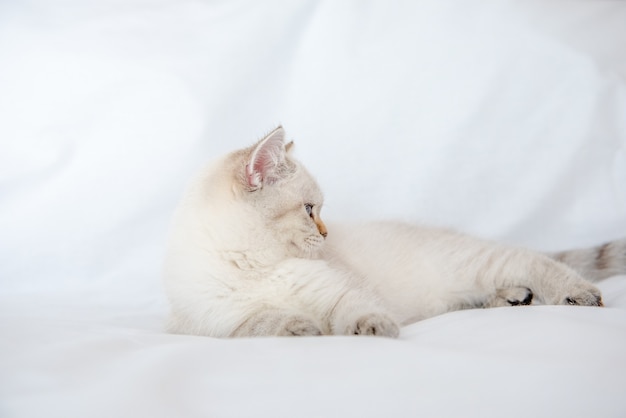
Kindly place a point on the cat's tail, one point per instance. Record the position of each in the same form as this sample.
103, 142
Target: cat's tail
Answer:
596, 263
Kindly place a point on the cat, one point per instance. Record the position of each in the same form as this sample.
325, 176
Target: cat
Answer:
249, 255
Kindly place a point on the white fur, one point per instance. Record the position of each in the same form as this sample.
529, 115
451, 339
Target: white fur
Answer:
246, 259
421, 272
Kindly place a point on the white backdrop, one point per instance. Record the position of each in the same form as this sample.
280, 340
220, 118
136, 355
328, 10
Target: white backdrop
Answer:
506, 120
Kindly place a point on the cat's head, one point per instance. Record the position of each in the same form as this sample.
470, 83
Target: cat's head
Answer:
263, 199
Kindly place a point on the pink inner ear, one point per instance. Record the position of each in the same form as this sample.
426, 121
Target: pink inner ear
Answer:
265, 159
254, 178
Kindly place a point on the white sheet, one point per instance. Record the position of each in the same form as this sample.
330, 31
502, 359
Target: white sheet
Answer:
504, 120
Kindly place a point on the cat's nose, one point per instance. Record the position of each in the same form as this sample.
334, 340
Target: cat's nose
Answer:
321, 227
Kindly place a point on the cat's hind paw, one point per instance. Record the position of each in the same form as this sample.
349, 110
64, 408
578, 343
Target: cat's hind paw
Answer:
374, 324
513, 296
584, 298
579, 292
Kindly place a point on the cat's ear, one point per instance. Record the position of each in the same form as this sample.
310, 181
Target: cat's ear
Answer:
289, 147
267, 162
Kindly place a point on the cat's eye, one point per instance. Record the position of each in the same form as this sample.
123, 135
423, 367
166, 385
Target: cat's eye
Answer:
309, 209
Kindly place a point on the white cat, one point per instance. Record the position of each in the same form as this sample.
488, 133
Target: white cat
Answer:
249, 255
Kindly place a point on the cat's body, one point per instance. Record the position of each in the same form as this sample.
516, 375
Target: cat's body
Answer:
250, 256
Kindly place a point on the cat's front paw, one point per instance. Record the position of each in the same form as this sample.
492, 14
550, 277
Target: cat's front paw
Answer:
374, 324
299, 326
273, 322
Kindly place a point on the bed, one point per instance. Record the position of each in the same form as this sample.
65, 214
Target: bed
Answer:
504, 120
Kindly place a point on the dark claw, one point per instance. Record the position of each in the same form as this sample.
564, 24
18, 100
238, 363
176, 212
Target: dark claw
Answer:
528, 299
